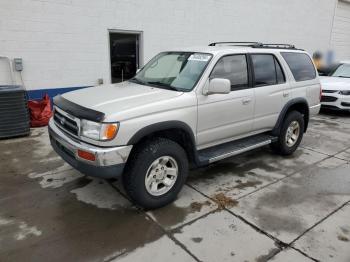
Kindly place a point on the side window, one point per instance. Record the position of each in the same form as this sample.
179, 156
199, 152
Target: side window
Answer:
267, 70
301, 66
233, 68
264, 69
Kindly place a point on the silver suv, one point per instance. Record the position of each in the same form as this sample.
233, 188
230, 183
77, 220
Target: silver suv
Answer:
187, 108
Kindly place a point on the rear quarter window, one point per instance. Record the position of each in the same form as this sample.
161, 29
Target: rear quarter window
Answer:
301, 66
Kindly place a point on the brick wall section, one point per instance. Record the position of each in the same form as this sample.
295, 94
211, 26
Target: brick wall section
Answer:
64, 43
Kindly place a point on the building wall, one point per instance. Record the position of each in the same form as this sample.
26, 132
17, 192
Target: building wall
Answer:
341, 31
64, 43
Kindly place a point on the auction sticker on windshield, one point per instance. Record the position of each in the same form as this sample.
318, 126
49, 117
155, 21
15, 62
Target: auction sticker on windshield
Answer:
199, 57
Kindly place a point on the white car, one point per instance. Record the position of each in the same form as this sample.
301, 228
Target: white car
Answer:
336, 88
187, 108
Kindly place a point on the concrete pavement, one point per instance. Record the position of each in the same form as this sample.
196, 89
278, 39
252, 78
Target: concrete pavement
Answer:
275, 209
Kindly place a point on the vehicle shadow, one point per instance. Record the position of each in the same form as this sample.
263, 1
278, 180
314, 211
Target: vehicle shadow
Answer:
335, 113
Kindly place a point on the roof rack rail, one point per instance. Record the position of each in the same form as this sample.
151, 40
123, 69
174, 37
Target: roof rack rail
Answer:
278, 46
236, 43
256, 45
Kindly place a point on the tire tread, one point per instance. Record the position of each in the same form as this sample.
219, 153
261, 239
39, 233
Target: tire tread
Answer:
134, 165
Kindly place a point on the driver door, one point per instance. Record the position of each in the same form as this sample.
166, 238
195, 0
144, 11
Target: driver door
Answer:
225, 117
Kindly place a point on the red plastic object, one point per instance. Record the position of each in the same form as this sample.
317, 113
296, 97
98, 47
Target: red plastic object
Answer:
40, 111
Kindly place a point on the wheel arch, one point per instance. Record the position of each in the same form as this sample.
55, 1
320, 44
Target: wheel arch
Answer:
177, 131
296, 104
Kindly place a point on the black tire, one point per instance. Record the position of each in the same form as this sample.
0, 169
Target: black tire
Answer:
281, 146
138, 165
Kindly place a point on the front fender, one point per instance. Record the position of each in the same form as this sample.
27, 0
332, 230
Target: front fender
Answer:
161, 126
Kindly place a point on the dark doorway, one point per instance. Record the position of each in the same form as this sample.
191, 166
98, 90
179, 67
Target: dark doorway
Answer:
124, 51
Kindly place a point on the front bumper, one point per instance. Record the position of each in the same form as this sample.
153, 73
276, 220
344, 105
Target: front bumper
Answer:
109, 162
336, 101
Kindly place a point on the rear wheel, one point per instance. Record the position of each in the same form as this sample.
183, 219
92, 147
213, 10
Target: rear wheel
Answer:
290, 135
155, 173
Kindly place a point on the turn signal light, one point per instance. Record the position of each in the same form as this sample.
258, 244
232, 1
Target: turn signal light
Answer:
110, 131
86, 155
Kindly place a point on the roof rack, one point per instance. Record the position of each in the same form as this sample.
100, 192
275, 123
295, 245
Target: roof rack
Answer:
236, 43
255, 45
278, 46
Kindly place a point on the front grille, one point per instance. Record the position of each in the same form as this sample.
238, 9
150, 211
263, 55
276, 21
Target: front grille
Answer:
66, 123
328, 99
330, 107
329, 91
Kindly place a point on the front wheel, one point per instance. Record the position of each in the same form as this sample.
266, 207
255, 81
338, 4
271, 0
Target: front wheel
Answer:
155, 173
290, 135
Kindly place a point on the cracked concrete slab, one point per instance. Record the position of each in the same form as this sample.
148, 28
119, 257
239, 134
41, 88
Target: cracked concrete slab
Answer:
163, 249
327, 136
88, 227
289, 207
330, 240
345, 155
341, 117
223, 237
244, 174
189, 205
326, 122
322, 143
290, 255
48, 210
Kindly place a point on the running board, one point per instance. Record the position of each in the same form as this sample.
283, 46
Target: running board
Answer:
216, 153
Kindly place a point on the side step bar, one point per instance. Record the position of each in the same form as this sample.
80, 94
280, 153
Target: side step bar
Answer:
216, 153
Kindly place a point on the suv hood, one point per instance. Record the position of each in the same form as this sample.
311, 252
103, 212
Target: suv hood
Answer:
335, 83
117, 98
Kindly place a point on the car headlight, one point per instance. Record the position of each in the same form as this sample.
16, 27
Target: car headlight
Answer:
345, 92
98, 131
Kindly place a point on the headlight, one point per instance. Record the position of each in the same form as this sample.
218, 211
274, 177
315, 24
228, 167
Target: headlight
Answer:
345, 92
98, 131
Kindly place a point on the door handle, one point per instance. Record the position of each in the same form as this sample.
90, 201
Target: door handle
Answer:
246, 101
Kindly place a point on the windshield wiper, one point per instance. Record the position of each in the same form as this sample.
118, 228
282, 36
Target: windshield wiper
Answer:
160, 84
135, 80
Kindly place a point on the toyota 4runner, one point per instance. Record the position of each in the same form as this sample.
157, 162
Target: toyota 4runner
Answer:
187, 108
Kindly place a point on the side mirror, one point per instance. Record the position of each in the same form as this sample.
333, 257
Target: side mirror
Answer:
219, 86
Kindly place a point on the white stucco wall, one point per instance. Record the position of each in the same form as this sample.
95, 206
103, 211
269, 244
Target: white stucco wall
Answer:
64, 43
341, 31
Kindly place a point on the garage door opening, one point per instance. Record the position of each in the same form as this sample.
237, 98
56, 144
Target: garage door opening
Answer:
124, 52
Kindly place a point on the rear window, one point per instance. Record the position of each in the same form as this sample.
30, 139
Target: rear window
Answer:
301, 66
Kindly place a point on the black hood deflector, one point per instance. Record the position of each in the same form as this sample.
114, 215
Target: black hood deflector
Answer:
77, 110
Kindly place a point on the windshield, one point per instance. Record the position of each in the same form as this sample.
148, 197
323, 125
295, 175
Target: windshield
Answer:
173, 70
342, 71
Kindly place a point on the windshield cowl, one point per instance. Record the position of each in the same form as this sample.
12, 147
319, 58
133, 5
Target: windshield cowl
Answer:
154, 84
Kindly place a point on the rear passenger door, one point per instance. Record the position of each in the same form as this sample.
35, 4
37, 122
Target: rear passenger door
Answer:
270, 88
